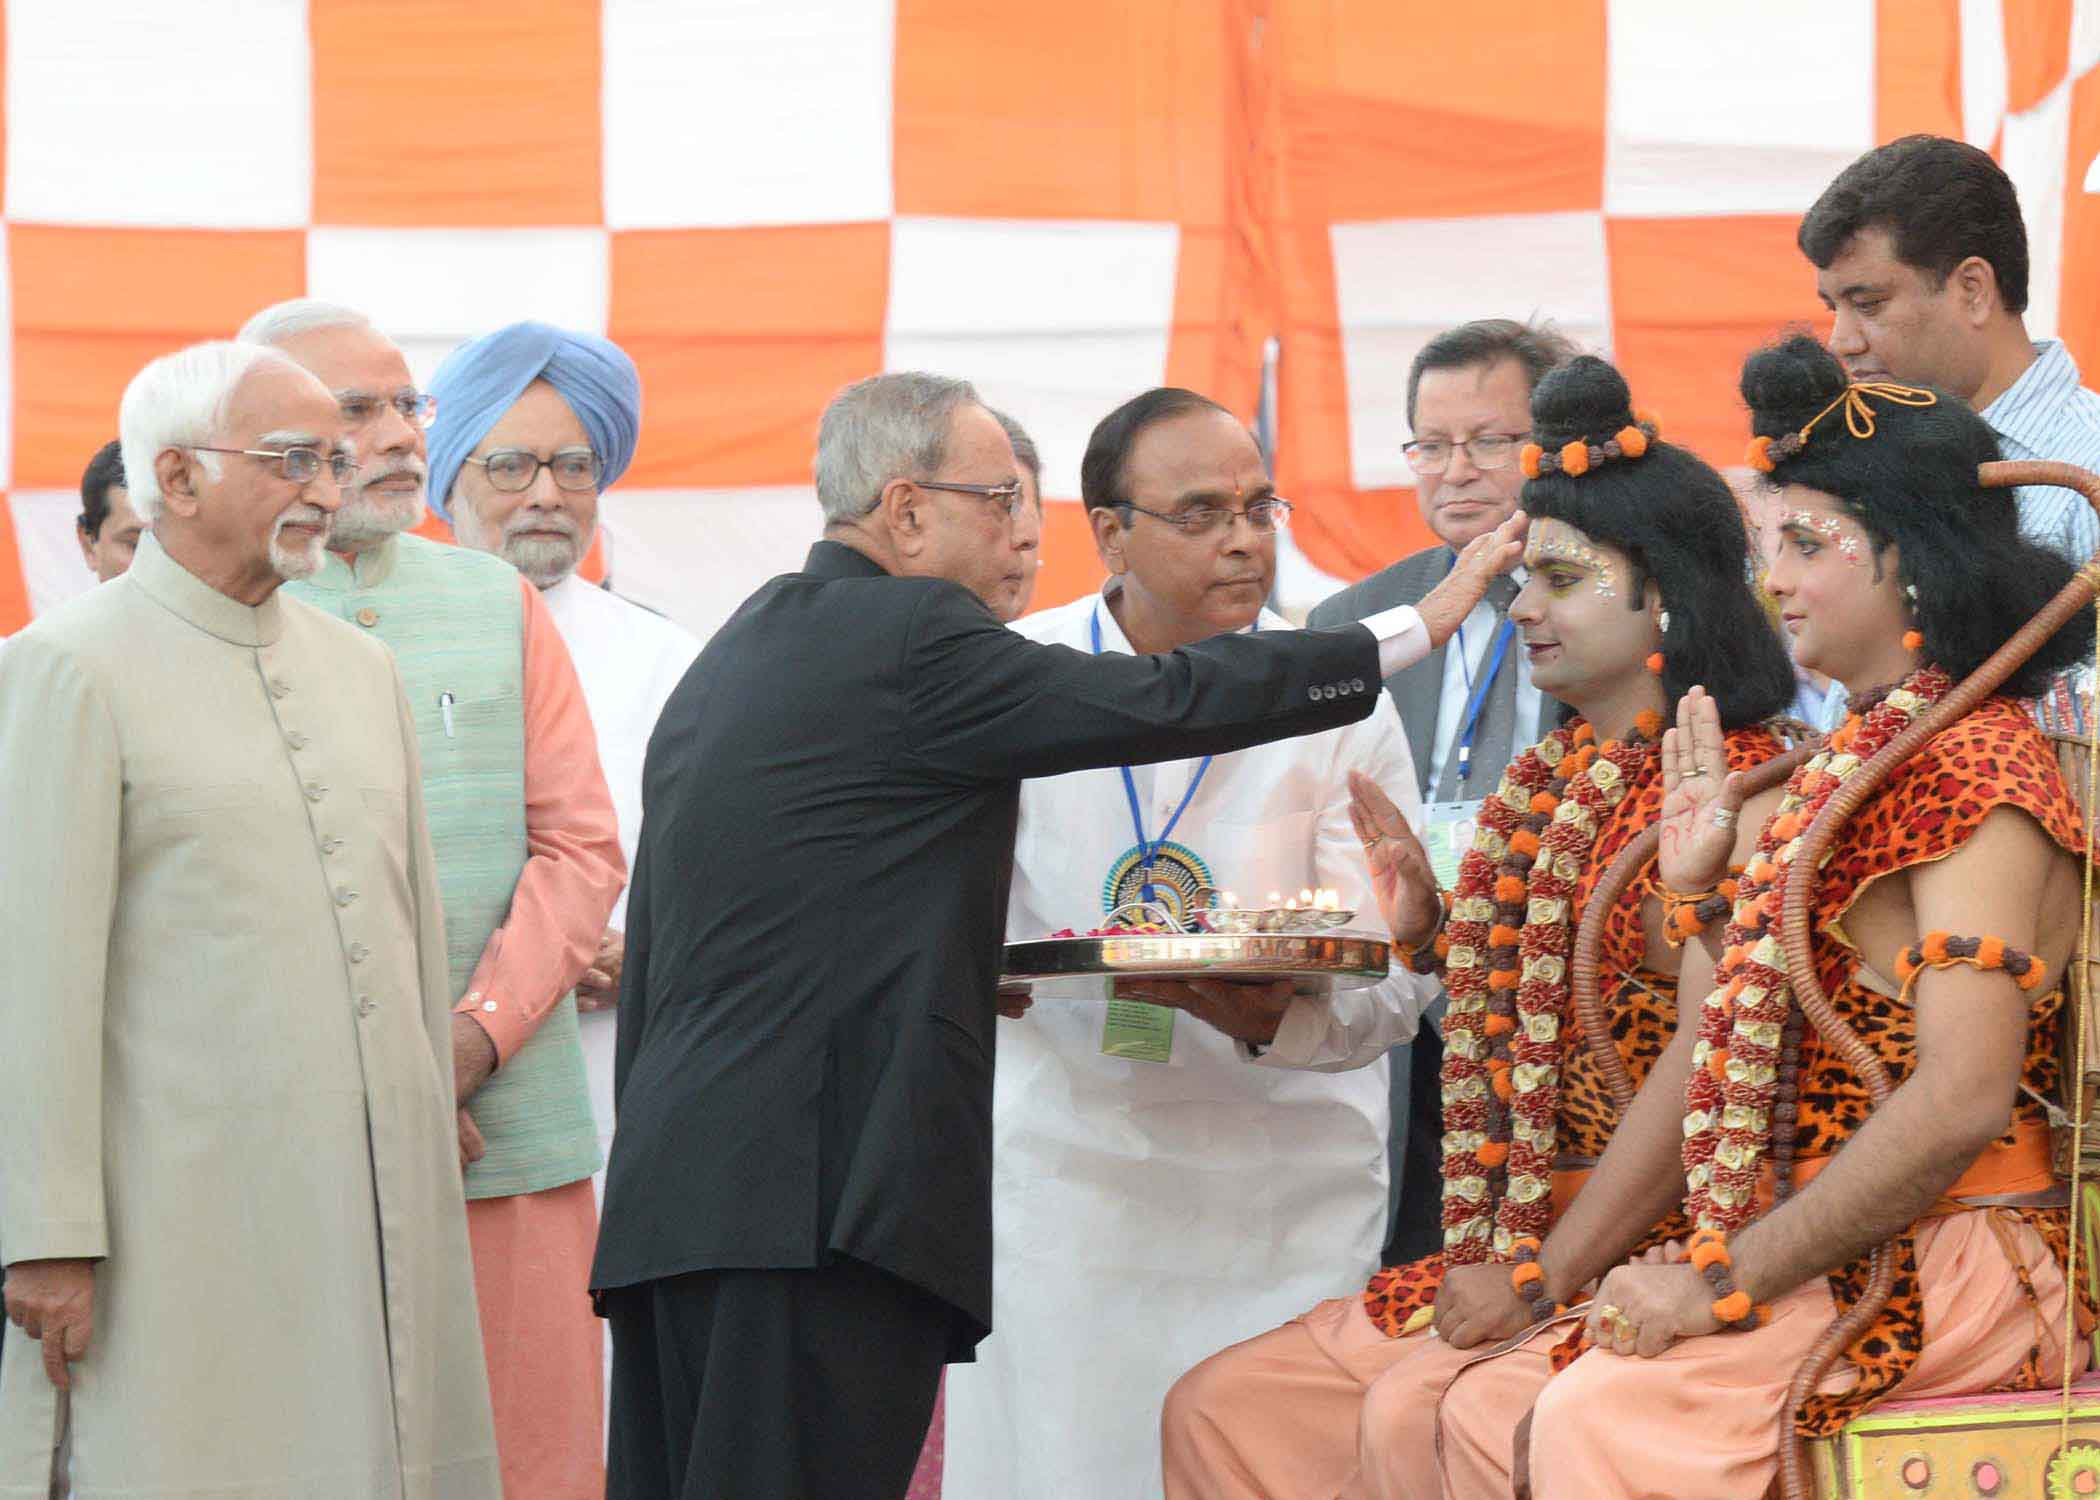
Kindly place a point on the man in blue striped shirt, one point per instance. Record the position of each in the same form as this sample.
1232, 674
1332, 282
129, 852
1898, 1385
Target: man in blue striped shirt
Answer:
1921, 254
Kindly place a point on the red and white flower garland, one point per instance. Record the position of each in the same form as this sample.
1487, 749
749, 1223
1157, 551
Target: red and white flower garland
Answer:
1506, 970
1730, 1097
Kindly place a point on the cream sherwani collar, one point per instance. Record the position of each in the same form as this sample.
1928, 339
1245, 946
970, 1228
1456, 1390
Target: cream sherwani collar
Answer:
183, 594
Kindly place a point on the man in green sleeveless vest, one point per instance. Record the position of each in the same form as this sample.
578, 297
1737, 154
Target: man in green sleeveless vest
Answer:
529, 866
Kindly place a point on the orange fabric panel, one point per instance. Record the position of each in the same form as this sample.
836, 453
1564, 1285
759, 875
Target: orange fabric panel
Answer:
1917, 68
2037, 50
1084, 110
14, 588
1071, 567
2078, 311
430, 112
91, 306
1441, 111
1692, 297
742, 336
1214, 345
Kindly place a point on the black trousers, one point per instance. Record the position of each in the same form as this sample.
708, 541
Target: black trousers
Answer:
1418, 1220
772, 1385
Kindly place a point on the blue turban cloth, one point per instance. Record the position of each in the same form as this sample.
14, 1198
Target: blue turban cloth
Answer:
482, 379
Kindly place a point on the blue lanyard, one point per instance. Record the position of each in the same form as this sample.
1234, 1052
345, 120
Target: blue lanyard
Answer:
1477, 701
1149, 850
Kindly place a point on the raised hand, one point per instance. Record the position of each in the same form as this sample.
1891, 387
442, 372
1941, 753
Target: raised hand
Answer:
1702, 798
1487, 556
1401, 877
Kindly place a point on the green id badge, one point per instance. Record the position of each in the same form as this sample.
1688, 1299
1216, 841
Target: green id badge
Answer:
1447, 833
1139, 1032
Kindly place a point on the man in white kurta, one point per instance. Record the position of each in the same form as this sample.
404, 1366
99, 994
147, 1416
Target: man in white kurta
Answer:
225, 1088
1146, 1205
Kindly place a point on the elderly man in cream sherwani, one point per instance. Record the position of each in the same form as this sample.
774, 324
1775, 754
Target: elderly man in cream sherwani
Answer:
229, 1172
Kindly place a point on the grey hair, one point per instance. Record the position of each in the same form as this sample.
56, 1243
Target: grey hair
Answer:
285, 321
179, 400
883, 428
1025, 450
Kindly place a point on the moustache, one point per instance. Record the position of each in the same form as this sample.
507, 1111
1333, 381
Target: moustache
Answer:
552, 520
301, 515
411, 468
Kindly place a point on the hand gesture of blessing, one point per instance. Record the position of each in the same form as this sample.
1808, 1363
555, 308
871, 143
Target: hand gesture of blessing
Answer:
1444, 608
1401, 877
1701, 798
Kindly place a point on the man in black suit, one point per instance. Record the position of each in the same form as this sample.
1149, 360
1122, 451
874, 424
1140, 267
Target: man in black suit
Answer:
1466, 710
797, 1222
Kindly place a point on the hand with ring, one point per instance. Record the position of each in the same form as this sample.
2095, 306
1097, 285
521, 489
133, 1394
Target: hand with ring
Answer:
1702, 798
1401, 877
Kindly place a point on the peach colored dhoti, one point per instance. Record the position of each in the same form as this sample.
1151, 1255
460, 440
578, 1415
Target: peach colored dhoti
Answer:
532, 1267
1703, 1417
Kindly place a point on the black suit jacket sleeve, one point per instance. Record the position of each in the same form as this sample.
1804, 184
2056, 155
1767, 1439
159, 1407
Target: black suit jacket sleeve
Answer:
987, 704
633, 1009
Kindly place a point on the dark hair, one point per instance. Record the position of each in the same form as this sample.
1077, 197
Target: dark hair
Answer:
1538, 347
1913, 484
105, 472
1941, 201
1680, 524
1108, 449
1025, 452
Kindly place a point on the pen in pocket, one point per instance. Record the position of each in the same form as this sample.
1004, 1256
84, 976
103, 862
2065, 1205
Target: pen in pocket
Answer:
445, 701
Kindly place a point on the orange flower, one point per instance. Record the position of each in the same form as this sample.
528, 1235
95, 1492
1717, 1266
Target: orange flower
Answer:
1733, 1308
1632, 441
1585, 733
1713, 1252
1525, 1273
1648, 723
1934, 948
1912, 640
1528, 458
1575, 458
1544, 803
1655, 664
1502, 935
1759, 456
1498, 1026
1717, 1064
1525, 842
1503, 979
1990, 953
1504, 1090
1649, 420
1510, 890
1493, 1154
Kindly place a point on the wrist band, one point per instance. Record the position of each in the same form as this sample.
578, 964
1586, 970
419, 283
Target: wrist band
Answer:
1427, 956
1528, 1279
1708, 1253
1686, 914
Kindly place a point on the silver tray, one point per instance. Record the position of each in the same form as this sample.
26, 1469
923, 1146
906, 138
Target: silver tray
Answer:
1322, 960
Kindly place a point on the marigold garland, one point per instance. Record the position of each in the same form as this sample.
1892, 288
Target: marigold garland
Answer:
1735, 1090
1506, 969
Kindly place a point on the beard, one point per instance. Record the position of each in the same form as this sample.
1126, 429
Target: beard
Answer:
299, 562
373, 515
544, 560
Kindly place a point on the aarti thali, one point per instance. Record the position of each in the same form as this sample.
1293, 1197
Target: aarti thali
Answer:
1307, 944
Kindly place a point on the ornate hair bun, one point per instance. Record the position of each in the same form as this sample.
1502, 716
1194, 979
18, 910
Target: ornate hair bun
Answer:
1578, 457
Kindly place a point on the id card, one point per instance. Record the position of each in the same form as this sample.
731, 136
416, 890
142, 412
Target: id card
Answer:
1138, 1032
1447, 833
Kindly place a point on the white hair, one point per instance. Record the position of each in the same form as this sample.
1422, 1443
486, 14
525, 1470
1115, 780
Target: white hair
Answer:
883, 428
179, 400
285, 321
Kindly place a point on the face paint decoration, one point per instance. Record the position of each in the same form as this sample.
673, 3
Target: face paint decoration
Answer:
1577, 554
1831, 530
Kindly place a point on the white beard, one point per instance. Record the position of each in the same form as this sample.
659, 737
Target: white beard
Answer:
373, 516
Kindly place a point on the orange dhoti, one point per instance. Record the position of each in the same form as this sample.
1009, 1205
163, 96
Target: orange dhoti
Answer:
1703, 1417
544, 1344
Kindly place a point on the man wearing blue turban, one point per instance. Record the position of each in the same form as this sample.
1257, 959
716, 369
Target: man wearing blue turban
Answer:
528, 862
558, 412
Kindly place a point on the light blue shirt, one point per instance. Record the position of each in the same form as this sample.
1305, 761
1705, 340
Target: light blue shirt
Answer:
2047, 414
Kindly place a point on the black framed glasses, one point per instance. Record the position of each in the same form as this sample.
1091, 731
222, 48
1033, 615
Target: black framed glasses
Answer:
1487, 450
417, 408
513, 469
1272, 514
1006, 496
298, 464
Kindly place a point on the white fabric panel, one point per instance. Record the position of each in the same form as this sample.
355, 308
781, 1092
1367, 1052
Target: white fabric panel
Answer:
696, 555
1056, 323
2085, 36
431, 288
2037, 144
1399, 282
44, 532
1721, 109
7, 361
747, 111
1985, 85
1299, 585
152, 112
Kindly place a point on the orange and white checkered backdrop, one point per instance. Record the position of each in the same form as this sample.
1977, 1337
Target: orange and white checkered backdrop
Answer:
764, 199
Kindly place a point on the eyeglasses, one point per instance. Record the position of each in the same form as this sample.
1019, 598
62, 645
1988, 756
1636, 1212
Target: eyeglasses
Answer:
299, 465
513, 469
1268, 515
417, 408
1006, 496
1487, 450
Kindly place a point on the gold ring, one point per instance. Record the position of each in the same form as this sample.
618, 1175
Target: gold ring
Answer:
1610, 1312
1622, 1328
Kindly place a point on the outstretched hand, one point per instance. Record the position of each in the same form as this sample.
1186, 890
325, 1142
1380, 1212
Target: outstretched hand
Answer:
1486, 557
1702, 798
1402, 879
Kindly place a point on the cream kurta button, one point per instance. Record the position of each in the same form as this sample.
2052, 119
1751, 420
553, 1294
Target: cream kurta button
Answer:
368, 617
365, 1007
359, 953
279, 687
315, 791
295, 739
344, 895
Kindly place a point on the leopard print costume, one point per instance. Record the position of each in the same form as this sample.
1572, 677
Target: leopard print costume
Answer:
1642, 1005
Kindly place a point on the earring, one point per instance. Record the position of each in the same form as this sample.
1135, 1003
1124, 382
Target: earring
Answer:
1912, 639
1662, 621
1910, 594
1655, 663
